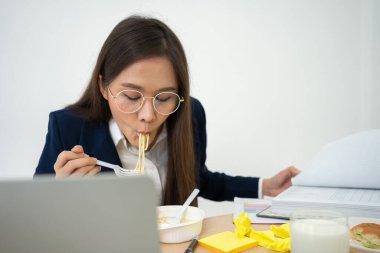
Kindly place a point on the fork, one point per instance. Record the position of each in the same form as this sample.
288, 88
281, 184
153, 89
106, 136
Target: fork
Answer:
120, 171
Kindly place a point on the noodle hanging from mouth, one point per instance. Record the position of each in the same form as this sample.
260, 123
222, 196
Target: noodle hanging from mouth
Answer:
143, 146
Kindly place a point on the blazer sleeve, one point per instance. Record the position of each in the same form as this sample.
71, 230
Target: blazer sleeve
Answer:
215, 185
66, 129
51, 149
63, 133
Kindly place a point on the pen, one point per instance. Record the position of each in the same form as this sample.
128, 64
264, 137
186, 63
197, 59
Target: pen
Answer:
192, 244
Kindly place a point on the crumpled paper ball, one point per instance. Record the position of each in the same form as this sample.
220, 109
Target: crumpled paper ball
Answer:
243, 225
277, 238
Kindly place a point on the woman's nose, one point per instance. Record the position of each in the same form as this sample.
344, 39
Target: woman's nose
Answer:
147, 112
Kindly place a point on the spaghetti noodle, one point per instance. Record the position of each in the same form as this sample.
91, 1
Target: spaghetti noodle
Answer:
143, 146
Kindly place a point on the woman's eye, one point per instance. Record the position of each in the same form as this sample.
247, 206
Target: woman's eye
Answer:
163, 98
133, 97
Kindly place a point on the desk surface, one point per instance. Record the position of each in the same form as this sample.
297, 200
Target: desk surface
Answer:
217, 224
212, 226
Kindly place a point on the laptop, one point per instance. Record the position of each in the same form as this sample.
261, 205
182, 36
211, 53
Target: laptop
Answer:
95, 215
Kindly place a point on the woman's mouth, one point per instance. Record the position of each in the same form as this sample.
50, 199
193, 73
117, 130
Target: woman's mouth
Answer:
142, 132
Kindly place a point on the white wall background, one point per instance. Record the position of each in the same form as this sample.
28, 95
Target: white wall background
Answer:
278, 79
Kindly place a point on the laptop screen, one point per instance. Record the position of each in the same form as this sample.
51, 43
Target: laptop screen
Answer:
98, 214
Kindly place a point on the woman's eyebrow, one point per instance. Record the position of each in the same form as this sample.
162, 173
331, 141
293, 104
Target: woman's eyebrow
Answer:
167, 89
131, 85
138, 87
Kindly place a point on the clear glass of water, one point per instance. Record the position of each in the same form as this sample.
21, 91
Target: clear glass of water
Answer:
319, 230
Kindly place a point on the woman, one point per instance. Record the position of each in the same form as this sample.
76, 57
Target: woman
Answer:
140, 86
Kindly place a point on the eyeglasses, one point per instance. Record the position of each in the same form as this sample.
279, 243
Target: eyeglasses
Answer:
130, 101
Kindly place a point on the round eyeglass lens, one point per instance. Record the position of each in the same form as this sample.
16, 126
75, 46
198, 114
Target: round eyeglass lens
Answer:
129, 101
166, 102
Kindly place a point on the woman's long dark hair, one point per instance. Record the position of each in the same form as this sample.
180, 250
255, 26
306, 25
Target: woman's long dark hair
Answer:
133, 39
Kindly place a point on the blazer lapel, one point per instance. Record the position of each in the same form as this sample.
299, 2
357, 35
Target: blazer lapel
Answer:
100, 144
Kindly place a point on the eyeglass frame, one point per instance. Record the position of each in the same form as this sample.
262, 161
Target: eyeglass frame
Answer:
180, 100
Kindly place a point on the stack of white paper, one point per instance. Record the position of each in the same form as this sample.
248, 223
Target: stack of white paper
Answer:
351, 162
344, 176
352, 202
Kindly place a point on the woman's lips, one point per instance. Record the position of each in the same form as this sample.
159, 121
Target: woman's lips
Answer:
142, 132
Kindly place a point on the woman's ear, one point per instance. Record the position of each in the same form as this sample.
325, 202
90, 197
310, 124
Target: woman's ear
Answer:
101, 88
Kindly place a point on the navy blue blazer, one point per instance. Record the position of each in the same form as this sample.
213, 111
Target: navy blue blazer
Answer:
67, 129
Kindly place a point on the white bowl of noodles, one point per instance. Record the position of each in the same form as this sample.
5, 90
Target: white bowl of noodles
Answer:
189, 226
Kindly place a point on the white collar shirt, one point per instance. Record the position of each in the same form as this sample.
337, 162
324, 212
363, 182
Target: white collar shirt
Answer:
156, 158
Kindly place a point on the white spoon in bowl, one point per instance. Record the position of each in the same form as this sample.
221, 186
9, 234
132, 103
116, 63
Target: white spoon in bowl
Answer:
177, 219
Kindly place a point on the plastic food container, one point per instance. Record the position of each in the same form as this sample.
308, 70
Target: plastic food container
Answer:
190, 226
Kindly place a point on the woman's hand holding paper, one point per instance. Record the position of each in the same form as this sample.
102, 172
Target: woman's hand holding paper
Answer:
279, 182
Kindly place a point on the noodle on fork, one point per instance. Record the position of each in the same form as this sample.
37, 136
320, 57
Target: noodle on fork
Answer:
143, 146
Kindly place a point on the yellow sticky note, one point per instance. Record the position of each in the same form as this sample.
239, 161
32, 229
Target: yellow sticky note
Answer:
227, 242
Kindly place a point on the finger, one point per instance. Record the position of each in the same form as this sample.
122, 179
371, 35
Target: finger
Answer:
287, 185
283, 188
294, 171
289, 172
83, 170
66, 156
297, 172
94, 171
73, 165
77, 149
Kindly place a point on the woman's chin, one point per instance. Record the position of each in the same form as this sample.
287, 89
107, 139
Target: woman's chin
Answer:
134, 142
